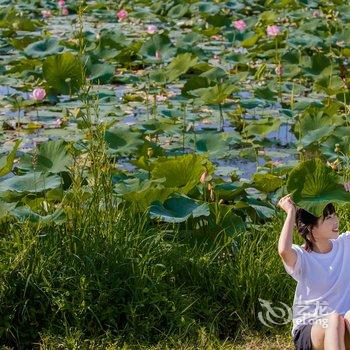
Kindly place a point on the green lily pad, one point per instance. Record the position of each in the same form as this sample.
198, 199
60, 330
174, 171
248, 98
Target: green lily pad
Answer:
183, 172
262, 127
101, 73
180, 65
213, 144
178, 11
142, 193
158, 43
51, 157
43, 48
122, 141
6, 162
215, 94
64, 73
5, 210
18, 186
266, 182
313, 185
178, 209
24, 213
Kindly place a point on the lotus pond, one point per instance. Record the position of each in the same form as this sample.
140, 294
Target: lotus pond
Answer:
191, 112
249, 87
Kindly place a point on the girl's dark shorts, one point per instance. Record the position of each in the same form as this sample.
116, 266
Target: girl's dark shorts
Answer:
302, 337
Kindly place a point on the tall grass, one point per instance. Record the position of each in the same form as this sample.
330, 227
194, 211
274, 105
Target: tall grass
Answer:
135, 281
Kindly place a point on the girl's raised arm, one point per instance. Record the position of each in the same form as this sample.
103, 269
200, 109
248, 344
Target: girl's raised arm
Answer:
285, 251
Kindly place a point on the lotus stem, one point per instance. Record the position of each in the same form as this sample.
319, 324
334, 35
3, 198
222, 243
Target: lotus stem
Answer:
221, 122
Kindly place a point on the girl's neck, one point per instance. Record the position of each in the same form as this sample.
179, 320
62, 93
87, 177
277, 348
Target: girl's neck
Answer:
322, 247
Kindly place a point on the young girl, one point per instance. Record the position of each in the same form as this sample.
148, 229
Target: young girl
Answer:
321, 306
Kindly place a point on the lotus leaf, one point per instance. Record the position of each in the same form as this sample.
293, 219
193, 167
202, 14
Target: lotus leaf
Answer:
313, 185
64, 73
178, 209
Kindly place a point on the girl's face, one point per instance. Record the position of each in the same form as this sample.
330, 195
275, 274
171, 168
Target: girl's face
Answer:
327, 227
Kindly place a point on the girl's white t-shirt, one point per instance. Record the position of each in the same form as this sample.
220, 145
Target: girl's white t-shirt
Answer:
323, 282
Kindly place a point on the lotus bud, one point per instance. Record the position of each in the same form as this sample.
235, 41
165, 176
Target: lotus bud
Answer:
212, 195
158, 55
203, 177
46, 13
122, 14
333, 165
149, 152
279, 70
58, 123
151, 29
316, 14
337, 148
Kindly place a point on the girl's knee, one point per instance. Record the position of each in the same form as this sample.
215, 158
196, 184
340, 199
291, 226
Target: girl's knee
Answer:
335, 320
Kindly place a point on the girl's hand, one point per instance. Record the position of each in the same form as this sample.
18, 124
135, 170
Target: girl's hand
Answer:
347, 186
287, 204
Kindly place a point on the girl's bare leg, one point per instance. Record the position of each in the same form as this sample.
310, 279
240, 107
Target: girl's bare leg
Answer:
328, 335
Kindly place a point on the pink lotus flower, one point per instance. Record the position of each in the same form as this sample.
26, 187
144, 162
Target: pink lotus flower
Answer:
316, 14
38, 94
61, 3
158, 55
272, 30
279, 70
46, 13
122, 14
239, 25
65, 11
151, 29
58, 123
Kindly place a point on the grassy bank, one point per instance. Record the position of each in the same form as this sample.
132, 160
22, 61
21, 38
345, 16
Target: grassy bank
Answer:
112, 275
137, 282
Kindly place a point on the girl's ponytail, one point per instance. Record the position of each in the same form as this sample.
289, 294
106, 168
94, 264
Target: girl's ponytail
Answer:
304, 230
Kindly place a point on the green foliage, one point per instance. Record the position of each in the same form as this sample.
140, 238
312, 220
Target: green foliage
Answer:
122, 140
49, 157
17, 187
64, 73
85, 278
6, 162
158, 43
182, 172
180, 65
216, 94
313, 185
177, 209
43, 48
